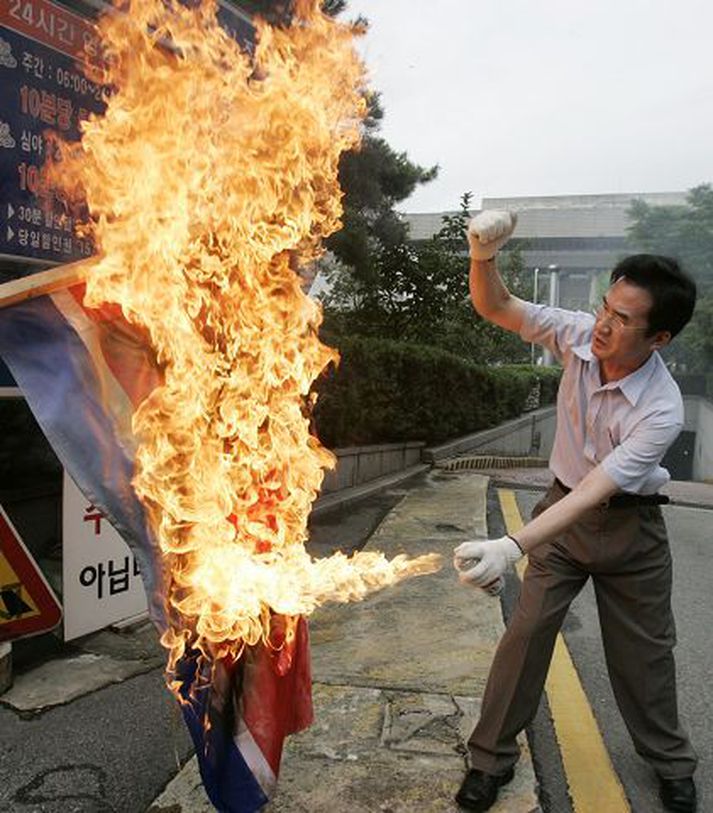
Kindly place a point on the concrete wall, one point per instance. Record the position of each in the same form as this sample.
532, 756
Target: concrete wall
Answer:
692, 407
530, 435
533, 435
360, 464
703, 452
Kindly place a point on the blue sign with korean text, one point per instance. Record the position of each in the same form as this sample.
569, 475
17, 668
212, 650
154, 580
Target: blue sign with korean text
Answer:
42, 89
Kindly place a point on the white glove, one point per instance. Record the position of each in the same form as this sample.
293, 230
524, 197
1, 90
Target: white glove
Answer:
494, 588
488, 232
492, 558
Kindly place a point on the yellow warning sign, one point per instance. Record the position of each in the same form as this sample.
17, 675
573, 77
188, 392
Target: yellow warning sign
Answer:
27, 604
15, 603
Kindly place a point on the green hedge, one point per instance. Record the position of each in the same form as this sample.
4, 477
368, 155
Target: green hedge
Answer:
385, 391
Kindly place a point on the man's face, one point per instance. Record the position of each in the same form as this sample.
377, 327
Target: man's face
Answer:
622, 321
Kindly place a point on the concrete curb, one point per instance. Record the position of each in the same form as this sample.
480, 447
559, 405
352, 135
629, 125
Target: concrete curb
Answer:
62, 680
348, 496
98, 660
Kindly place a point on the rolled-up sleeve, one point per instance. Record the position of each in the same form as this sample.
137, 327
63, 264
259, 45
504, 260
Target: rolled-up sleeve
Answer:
555, 328
632, 463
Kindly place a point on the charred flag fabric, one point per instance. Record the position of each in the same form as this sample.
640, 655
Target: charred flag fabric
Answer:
83, 372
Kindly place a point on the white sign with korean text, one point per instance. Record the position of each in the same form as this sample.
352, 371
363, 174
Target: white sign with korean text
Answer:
101, 581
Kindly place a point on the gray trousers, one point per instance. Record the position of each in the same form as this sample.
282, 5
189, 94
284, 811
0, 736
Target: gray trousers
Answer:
626, 552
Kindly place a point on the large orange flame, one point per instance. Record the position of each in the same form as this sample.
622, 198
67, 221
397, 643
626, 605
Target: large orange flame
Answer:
211, 174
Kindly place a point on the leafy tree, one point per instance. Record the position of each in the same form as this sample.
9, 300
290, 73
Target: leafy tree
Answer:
374, 179
686, 233
419, 294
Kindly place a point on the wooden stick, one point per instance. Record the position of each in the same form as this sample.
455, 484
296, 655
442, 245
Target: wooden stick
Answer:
40, 283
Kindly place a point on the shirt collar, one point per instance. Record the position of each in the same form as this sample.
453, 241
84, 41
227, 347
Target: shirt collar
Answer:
632, 385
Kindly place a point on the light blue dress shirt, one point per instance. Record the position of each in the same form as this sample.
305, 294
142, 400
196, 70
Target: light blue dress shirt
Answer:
625, 426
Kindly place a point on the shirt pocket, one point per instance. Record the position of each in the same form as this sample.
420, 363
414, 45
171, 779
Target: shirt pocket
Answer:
613, 435
608, 438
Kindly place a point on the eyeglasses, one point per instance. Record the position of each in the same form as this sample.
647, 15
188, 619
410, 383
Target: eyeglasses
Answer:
604, 313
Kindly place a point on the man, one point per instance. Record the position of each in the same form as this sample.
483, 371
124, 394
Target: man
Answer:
618, 411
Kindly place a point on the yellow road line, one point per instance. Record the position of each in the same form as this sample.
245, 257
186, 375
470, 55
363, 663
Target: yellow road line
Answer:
593, 784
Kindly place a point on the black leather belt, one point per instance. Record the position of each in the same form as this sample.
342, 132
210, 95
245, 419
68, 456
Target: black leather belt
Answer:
625, 500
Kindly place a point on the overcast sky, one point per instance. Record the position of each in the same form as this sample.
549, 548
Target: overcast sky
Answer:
554, 97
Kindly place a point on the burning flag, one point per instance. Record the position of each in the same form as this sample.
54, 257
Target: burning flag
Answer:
211, 175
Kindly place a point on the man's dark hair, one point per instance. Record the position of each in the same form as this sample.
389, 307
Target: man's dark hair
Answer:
672, 290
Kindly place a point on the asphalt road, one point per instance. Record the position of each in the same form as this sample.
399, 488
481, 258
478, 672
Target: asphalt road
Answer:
112, 751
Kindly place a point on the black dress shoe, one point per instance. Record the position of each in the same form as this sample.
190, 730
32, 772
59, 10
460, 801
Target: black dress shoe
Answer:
678, 795
480, 790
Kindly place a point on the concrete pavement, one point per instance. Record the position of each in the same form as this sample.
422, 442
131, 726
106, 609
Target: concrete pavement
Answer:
396, 680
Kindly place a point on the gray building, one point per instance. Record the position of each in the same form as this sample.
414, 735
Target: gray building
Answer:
582, 236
